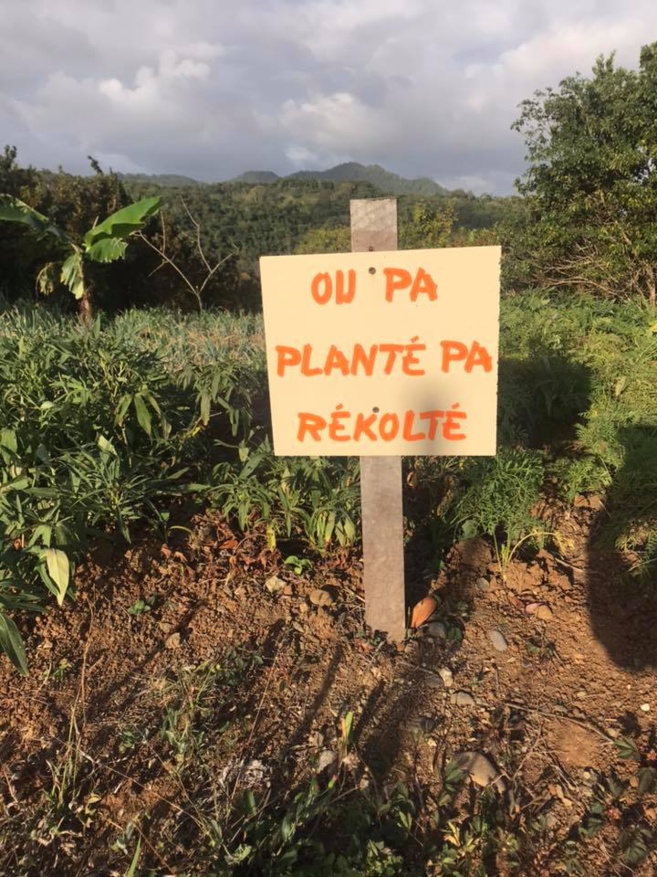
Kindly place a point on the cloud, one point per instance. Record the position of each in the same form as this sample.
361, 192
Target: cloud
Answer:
211, 90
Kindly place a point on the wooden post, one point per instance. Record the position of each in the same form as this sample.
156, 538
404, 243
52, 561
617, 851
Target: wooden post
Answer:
374, 228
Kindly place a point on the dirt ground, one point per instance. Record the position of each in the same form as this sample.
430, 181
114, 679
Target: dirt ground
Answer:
538, 681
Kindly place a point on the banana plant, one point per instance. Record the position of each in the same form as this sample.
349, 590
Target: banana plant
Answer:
105, 242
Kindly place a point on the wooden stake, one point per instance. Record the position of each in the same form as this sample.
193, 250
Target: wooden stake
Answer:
374, 228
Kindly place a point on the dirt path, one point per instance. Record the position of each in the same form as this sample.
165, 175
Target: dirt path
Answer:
540, 682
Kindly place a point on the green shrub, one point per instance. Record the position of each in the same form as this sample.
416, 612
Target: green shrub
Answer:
95, 432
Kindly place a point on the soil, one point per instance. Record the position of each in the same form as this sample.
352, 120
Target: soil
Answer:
552, 665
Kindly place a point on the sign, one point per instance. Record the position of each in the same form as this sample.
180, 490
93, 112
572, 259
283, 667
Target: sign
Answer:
387, 353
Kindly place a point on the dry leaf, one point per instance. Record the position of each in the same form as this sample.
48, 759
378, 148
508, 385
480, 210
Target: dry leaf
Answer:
422, 611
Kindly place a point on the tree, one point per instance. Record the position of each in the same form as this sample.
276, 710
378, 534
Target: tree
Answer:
105, 242
17, 254
325, 240
428, 224
591, 184
186, 257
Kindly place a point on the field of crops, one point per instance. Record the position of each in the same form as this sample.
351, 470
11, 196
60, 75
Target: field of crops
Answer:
132, 428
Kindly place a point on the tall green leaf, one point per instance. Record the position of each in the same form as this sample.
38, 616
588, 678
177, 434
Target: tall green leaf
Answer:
142, 412
12, 644
124, 222
73, 274
59, 571
8, 440
14, 210
107, 250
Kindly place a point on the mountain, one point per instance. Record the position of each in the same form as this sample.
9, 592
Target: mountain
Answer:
256, 177
387, 182
160, 179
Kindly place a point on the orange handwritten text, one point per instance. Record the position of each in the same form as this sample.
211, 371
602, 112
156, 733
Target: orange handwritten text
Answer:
360, 360
457, 351
400, 278
323, 288
411, 426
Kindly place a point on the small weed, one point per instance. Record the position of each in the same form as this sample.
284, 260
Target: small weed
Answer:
61, 671
140, 607
299, 565
538, 646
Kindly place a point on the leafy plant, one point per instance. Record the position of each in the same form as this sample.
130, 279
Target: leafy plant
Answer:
98, 432
498, 501
589, 185
316, 497
105, 242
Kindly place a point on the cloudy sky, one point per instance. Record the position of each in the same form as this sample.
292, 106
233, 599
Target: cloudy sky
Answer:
211, 88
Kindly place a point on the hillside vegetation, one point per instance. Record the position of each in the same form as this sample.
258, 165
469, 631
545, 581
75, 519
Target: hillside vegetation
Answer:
235, 223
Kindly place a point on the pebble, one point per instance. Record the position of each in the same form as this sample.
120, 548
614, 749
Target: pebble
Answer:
173, 641
589, 778
447, 676
645, 707
326, 759
482, 585
544, 613
274, 584
480, 769
247, 773
437, 630
462, 698
421, 724
498, 640
320, 597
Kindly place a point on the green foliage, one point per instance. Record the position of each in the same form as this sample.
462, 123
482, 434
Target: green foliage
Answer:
72, 203
105, 242
237, 222
304, 214
325, 240
429, 225
98, 430
577, 377
590, 184
499, 497
317, 497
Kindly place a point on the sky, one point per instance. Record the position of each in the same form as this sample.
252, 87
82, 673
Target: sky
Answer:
210, 89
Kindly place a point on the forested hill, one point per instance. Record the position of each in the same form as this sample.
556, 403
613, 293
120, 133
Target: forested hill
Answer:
352, 172
160, 179
229, 223
387, 182
300, 214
